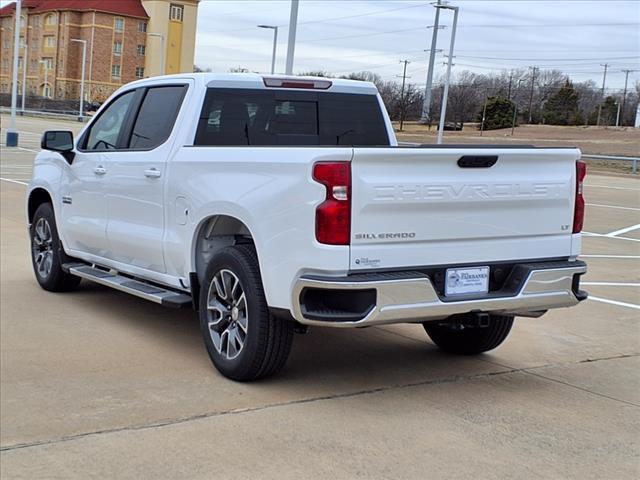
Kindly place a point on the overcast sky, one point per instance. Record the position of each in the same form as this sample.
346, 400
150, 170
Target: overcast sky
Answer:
337, 36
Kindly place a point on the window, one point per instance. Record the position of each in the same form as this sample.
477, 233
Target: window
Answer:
106, 129
117, 48
36, 20
142, 50
50, 41
48, 63
19, 62
142, 27
46, 90
50, 19
253, 117
115, 70
176, 12
157, 116
118, 24
139, 72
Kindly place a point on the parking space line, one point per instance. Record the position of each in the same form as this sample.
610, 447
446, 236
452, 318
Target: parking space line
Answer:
636, 257
602, 235
612, 206
611, 284
612, 188
614, 302
623, 230
13, 181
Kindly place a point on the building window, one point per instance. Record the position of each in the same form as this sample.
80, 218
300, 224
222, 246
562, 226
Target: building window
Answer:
117, 48
176, 12
142, 27
48, 63
118, 24
50, 41
36, 20
142, 50
50, 19
46, 90
115, 71
19, 62
139, 72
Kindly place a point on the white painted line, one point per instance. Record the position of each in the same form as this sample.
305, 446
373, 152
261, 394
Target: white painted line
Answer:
600, 235
610, 284
28, 149
632, 257
13, 181
612, 188
623, 230
612, 206
614, 302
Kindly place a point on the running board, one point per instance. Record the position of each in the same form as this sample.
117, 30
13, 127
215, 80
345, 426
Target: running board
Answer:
153, 293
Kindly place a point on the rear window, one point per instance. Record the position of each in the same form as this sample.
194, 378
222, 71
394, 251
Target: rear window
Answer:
265, 117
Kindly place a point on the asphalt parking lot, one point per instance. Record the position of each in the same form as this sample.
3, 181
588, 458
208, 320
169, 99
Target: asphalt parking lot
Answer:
98, 384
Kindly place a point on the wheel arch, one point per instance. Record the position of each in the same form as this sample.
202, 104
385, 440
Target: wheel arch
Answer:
37, 197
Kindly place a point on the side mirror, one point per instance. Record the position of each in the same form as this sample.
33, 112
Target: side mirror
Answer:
59, 141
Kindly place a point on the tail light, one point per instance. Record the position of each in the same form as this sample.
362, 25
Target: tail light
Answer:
333, 216
578, 214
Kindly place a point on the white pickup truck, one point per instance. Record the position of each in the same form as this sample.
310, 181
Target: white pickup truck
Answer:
271, 203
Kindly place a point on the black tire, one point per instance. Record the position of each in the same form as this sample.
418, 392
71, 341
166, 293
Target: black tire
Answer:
266, 340
455, 338
49, 273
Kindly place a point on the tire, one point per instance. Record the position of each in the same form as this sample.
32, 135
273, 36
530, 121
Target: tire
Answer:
47, 254
244, 341
454, 337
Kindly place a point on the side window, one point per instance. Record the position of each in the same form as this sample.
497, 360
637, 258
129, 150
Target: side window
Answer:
157, 116
105, 131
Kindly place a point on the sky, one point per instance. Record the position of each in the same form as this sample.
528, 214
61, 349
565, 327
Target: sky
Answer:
339, 37
575, 36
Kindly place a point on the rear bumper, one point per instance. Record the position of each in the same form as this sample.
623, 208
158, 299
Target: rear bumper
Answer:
410, 297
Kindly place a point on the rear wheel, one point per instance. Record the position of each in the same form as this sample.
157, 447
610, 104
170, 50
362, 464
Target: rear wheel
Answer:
47, 254
456, 336
244, 341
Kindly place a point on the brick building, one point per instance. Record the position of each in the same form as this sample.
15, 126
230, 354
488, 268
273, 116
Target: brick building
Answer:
126, 40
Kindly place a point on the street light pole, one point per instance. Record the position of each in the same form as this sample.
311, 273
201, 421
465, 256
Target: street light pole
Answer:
291, 46
162, 52
84, 61
445, 93
426, 105
12, 131
275, 45
25, 64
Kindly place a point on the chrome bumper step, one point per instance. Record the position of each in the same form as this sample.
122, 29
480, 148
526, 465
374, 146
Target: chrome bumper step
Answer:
153, 293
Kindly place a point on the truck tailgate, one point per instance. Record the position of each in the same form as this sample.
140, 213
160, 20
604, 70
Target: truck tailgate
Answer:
425, 206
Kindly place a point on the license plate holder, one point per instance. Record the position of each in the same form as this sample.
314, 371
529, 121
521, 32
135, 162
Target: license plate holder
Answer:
466, 281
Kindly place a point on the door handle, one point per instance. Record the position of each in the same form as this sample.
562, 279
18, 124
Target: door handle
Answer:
152, 173
99, 170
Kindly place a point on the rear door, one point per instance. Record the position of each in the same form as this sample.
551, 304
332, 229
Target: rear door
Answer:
136, 183
442, 206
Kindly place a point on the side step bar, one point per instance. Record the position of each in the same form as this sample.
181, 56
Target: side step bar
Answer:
153, 293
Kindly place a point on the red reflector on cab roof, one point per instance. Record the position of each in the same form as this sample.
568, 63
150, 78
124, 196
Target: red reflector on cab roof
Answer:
293, 83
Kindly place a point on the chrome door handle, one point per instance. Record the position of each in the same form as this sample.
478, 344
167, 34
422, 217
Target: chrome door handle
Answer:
99, 170
152, 173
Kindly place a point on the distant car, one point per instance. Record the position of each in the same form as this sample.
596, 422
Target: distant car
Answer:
453, 126
273, 203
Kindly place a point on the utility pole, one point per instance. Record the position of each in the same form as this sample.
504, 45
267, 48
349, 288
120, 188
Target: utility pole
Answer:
604, 81
402, 102
425, 117
533, 79
510, 80
445, 93
25, 65
624, 95
12, 131
291, 46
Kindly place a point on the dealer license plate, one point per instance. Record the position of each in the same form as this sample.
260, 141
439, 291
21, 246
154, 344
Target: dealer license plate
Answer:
466, 281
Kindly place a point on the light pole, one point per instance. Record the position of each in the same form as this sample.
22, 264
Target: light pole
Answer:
162, 53
445, 93
25, 65
291, 46
12, 131
426, 105
275, 44
84, 61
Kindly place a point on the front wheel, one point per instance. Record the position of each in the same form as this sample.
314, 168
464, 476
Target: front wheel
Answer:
455, 336
244, 341
47, 254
